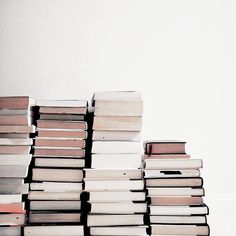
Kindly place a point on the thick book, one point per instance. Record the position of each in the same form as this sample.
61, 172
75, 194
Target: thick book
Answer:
119, 230
58, 196
118, 220
58, 230
12, 208
10, 231
59, 162
117, 208
60, 124
161, 229
178, 173
179, 210
182, 164
62, 110
114, 196
55, 205
14, 188
9, 160
13, 171
16, 102
16, 142
51, 217
10, 198
159, 219
63, 133
175, 191
15, 150
164, 147
18, 120
56, 187
174, 182
64, 117
116, 147
118, 174
61, 103
113, 185
58, 175
59, 142
117, 96
175, 200
117, 123
118, 108
7, 129
116, 161
100, 135
12, 219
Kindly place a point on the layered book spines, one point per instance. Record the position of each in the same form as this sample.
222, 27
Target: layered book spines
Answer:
16, 139
175, 190
55, 201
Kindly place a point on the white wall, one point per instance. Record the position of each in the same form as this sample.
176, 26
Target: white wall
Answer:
180, 54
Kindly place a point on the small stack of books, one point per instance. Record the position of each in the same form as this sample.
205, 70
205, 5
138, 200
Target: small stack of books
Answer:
114, 183
174, 189
16, 132
57, 172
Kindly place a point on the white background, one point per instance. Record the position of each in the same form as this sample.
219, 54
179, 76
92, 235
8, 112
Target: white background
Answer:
180, 54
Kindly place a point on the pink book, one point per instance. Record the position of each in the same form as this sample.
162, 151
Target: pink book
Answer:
75, 153
52, 124
16, 102
63, 110
164, 147
166, 156
82, 134
47, 142
15, 120
15, 149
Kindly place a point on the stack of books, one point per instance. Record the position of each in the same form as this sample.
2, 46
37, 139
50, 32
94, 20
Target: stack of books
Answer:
174, 189
115, 183
57, 172
16, 132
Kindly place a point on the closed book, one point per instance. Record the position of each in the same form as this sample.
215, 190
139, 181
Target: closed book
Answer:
117, 123
114, 196
55, 133
64, 175
116, 147
117, 208
10, 231
43, 217
9, 160
164, 147
157, 219
61, 103
59, 142
109, 174
13, 171
173, 164
14, 188
12, 208
16, 142
116, 161
12, 219
160, 229
177, 173
69, 117
52, 230
99, 135
166, 156
14, 150
60, 124
59, 162
178, 210
174, 182
16, 102
10, 198
63, 110
17, 129
175, 191
105, 185
18, 120
117, 96
118, 220
55, 205
118, 108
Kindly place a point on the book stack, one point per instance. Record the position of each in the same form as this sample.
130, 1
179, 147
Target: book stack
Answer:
16, 131
174, 189
114, 183
57, 172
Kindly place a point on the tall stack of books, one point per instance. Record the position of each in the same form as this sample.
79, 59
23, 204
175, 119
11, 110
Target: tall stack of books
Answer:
174, 189
57, 172
16, 131
115, 183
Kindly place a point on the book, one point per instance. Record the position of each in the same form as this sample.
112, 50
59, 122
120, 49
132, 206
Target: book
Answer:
14, 188
63, 133
55, 205
59, 142
59, 162
13, 219
60, 124
178, 173
10, 231
117, 96
159, 219
16, 102
9, 160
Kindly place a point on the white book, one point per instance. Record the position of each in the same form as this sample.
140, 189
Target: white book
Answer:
14, 188
171, 174
175, 192
59, 162
118, 108
113, 185
11, 181
182, 164
61, 103
59, 230
119, 230
178, 210
109, 220
13, 171
9, 160
16, 141
116, 161
10, 198
99, 135
118, 208
117, 95
116, 147
114, 196
56, 187
157, 219
10, 231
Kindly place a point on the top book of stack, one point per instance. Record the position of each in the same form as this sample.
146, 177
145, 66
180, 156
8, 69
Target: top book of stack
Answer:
117, 111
